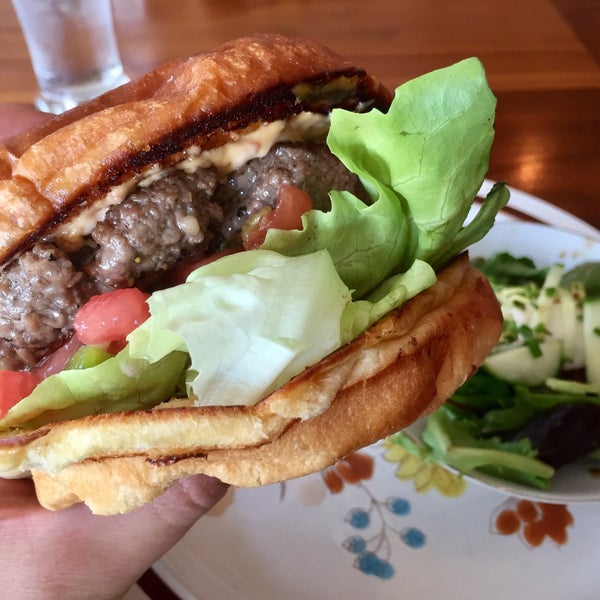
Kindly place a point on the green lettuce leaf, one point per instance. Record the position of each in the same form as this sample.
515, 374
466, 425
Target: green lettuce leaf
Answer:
365, 242
447, 442
432, 149
118, 384
393, 292
251, 321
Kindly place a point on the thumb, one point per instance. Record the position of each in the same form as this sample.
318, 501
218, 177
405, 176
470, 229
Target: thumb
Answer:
140, 538
143, 536
73, 554
164, 521
186, 501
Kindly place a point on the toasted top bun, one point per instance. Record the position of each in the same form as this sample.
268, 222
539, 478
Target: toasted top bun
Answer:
401, 369
65, 164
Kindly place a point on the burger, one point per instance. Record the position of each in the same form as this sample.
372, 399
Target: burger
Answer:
248, 263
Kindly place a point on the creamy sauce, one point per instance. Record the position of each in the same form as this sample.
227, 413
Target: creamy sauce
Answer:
68, 235
254, 144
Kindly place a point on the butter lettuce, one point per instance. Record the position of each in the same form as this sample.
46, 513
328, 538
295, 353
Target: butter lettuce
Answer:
366, 242
422, 163
432, 150
393, 292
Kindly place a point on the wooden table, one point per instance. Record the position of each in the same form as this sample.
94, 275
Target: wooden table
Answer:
542, 58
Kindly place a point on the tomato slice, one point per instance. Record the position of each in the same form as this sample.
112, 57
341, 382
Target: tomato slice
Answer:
292, 203
110, 317
14, 386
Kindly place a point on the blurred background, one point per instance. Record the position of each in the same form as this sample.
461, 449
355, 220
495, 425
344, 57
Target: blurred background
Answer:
542, 58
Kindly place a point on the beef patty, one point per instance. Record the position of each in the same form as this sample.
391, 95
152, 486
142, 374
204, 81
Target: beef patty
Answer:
174, 219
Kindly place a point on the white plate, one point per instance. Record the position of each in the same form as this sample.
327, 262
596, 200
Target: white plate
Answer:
545, 245
427, 533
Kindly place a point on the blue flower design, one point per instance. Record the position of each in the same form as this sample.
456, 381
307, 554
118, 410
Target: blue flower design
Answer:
412, 537
373, 553
359, 518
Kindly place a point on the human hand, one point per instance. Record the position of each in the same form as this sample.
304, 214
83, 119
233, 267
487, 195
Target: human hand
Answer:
72, 554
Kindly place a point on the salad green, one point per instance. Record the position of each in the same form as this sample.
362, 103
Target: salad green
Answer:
521, 417
422, 163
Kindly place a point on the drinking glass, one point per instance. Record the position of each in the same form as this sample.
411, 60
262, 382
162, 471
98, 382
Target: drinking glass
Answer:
73, 50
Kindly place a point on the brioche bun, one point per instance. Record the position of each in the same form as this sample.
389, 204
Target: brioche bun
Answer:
401, 369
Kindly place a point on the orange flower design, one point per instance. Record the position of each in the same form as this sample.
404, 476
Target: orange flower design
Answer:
533, 521
353, 469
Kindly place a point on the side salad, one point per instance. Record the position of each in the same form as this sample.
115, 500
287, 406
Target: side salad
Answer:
534, 405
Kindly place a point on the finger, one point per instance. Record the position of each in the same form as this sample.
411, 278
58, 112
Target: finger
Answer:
16, 496
89, 552
144, 535
187, 500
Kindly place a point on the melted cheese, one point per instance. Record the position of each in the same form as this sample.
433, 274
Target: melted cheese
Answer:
229, 157
257, 143
69, 234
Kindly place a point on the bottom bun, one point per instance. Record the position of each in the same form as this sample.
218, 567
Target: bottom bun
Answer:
401, 369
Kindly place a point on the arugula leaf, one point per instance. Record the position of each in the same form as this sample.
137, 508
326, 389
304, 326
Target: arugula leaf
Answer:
544, 399
506, 269
482, 392
451, 444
